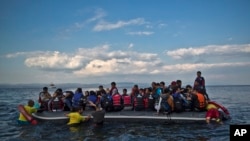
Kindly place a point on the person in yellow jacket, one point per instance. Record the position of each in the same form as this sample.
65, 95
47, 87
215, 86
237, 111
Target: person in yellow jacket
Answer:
29, 109
212, 112
75, 117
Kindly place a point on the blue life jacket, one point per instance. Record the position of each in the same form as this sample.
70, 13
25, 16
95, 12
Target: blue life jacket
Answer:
92, 98
76, 99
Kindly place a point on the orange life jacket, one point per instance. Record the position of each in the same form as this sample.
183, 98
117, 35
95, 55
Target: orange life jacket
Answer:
202, 100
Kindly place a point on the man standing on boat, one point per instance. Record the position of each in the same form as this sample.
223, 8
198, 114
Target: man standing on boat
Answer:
199, 84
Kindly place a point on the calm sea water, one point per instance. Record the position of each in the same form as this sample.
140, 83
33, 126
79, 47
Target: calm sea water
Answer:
235, 98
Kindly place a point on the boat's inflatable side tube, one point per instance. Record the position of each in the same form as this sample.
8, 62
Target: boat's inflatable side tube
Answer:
27, 116
220, 106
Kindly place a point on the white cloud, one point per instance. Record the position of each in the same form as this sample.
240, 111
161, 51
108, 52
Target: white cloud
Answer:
194, 67
54, 60
99, 14
141, 33
85, 59
131, 45
104, 61
211, 50
162, 25
103, 25
78, 26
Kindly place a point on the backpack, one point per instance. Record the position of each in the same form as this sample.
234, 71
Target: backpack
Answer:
138, 103
178, 105
106, 102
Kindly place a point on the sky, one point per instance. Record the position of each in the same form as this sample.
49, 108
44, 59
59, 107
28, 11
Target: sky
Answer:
139, 41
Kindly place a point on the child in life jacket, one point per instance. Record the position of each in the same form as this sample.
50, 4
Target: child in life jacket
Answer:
212, 112
75, 116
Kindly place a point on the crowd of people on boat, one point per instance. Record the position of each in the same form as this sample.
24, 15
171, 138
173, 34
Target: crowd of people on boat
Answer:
157, 97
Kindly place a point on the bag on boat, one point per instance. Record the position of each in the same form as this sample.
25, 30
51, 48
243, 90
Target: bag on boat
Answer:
106, 102
149, 102
138, 103
178, 105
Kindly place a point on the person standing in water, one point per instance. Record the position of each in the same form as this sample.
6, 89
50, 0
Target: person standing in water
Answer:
98, 115
29, 109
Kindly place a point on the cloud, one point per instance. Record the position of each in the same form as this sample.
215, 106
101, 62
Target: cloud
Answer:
103, 25
210, 50
188, 67
99, 14
104, 61
162, 25
55, 60
141, 33
117, 67
85, 59
131, 45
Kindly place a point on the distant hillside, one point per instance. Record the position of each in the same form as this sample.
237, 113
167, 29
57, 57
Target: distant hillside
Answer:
73, 85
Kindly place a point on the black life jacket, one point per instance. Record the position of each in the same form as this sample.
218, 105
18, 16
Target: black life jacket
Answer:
138, 103
106, 102
178, 105
149, 102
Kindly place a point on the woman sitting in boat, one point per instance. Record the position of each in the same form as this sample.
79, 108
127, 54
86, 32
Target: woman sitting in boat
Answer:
67, 99
117, 102
187, 93
107, 102
56, 103
138, 102
84, 100
148, 99
178, 100
164, 106
92, 98
76, 100
44, 98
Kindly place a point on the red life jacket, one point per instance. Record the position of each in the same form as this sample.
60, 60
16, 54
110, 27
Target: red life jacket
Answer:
117, 99
57, 105
111, 90
145, 102
127, 100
